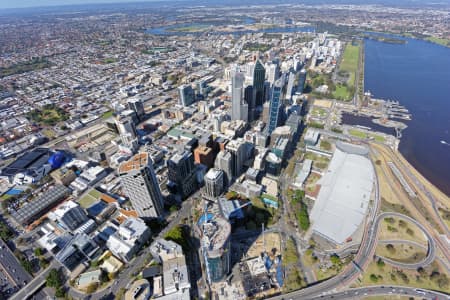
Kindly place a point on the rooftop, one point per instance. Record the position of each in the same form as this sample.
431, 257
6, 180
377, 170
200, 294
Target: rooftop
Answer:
216, 233
136, 163
344, 196
32, 159
29, 210
213, 174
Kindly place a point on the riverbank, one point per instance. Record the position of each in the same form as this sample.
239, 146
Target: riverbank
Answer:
392, 38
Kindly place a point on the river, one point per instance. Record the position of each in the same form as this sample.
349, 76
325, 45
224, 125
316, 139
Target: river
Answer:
417, 74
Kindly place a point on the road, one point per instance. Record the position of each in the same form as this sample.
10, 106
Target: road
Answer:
135, 266
384, 291
431, 253
422, 192
35, 284
11, 267
364, 256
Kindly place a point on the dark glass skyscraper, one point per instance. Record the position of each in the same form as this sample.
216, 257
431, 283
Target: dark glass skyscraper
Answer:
259, 75
186, 95
275, 107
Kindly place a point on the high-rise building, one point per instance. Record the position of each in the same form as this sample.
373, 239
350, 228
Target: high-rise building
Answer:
301, 81
140, 184
137, 106
186, 95
237, 150
237, 95
182, 173
273, 73
290, 88
259, 75
214, 183
223, 162
127, 132
275, 107
216, 248
204, 155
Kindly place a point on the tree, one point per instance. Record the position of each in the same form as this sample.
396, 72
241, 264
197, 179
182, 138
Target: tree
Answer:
120, 294
380, 263
173, 208
53, 278
91, 288
5, 232
38, 251
373, 278
390, 248
402, 224
335, 260
59, 292
178, 235
303, 217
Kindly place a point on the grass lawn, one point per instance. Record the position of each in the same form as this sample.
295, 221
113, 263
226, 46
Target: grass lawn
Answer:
404, 253
109, 60
107, 114
318, 112
49, 133
388, 275
48, 115
362, 135
94, 193
5, 197
86, 201
325, 274
393, 231
342, 93
440, 41
349, 62
192, 28
290, 257
357, 133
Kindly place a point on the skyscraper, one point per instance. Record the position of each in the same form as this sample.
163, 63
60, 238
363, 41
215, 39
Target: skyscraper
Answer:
301, 81
214, 183
275, 107
237, 150
186, 95
237, 95
137, 106
223, 162
127, 132
182, 173
259, 75
139, 183
273, 73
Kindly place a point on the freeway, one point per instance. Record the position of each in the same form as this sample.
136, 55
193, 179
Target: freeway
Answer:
423, 194
35, 284
359, 293
431, 253
11, 267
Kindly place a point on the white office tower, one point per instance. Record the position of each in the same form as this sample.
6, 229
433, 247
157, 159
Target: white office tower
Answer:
139, 183
237, 150
272, 73
213, 183
127, 132
237, 95
223, 162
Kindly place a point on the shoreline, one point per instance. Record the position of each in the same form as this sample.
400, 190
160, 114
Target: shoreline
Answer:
437, 192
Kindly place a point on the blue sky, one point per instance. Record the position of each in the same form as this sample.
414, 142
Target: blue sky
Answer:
33, 3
